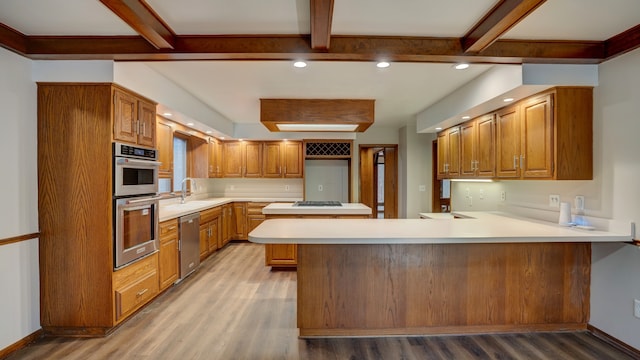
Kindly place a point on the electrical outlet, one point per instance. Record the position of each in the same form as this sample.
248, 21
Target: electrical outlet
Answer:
503, 196
470, 201
554, 201
319, 187
286, 188
468, 192
481, 194
636, 308
422, 188
579, 202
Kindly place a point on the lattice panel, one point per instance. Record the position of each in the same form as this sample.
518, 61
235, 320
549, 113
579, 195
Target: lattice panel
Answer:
342, 149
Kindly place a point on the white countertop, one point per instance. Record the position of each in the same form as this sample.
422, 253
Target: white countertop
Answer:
289, 209
176, 209
478, 227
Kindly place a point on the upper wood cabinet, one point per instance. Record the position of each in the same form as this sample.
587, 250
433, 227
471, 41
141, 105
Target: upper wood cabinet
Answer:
477, 147
547, 136
215, 158
199, 157
134, 119
449, 153
282, 159
164, 135
242, 159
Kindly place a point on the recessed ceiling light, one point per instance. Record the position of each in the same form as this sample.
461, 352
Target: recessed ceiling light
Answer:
221, 137
438, 128
383, 64
300, 64
466, 117
209, 132
461, 66
507, 99
189, 124
167, 114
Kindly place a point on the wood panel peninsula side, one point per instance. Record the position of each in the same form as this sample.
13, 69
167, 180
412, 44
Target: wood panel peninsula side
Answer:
285, 256
483, 273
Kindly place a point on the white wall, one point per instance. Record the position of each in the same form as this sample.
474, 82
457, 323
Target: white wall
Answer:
326, 180
19, 277
416, 157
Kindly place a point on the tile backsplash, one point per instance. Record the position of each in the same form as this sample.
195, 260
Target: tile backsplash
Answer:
257, 188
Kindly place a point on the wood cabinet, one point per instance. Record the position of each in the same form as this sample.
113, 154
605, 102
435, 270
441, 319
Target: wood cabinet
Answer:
168, 256
282, 159
477, 147
242, 159
239, 221
134, 286
449, 153
215, 158
227, 225
547, 136
210, 231
255, 216
134, 118
164, 135
76, 259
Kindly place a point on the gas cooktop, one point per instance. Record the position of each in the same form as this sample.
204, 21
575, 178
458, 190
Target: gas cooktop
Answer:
317, 203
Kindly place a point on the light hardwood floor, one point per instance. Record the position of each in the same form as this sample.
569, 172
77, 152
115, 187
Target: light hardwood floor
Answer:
233, 307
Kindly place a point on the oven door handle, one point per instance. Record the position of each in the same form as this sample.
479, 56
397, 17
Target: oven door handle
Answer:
148, 163
137, 201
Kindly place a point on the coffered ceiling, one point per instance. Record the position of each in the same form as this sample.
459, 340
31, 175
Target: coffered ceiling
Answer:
229, 54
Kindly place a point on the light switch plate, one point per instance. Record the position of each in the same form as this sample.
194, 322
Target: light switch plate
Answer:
579, 202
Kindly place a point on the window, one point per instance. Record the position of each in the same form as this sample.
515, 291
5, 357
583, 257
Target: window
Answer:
179, 162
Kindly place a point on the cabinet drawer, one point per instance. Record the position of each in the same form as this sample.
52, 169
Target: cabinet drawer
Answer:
132, 273
210, 214
255, 208
168, 227
131, 297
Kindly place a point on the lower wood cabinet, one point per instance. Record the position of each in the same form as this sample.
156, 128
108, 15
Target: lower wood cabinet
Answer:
134, 286
210, 231
168, 266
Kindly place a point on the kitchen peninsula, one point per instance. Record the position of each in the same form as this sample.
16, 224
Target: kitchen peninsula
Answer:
286, 255
483, 272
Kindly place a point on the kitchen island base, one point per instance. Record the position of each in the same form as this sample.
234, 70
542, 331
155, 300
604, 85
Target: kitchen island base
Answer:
417, 289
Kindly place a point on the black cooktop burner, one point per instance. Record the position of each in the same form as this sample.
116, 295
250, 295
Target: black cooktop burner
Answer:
317, 203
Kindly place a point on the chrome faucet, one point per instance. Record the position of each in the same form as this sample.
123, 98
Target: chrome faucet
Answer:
184, 188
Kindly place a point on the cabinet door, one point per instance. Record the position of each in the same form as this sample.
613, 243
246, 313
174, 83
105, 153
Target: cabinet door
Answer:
239, 221
204, 241
272, 162
227, 223
214, 158
508, 142
199, 153
443, 151
168, 254
252, 159
212, 239
147, 124
165, 149
125, 117
253, 221
537, 138
232, 159
293, 161
281, 255
454, 152
485, 146
468, 149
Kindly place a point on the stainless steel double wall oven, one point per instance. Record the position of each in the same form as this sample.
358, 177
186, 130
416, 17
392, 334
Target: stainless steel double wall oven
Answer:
135, 202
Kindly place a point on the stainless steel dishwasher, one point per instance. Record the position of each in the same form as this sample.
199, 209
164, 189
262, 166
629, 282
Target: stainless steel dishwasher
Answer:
189, 244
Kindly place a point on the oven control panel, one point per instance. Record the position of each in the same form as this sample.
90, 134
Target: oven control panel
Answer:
126, 150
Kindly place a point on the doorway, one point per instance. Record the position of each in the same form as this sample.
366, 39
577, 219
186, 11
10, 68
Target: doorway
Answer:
379, 179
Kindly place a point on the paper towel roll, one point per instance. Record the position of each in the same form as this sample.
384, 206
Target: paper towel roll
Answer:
565, 214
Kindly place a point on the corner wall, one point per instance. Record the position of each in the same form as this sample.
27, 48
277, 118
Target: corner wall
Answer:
19, 274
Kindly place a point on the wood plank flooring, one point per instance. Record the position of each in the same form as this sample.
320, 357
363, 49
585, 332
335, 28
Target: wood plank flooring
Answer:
233, 307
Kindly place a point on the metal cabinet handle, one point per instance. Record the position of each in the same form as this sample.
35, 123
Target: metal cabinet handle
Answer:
522, 161
171, 227
141, 292
144, 128
515, 161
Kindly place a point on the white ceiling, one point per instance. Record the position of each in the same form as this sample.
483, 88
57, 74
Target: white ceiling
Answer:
233, 88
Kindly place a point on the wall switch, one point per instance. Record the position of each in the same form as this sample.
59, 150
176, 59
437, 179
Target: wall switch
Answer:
470, 201
319, 187
554, 201
422, 188
503, 196
636, 308
286, 188
481, 194
579, 202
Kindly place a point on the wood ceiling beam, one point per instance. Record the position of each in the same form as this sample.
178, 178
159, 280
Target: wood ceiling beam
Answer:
622, 43
13, 40
503, 16
140, 17
321, 18
289, 47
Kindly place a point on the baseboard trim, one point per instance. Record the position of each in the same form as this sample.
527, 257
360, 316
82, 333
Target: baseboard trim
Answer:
21, 343
635, 353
